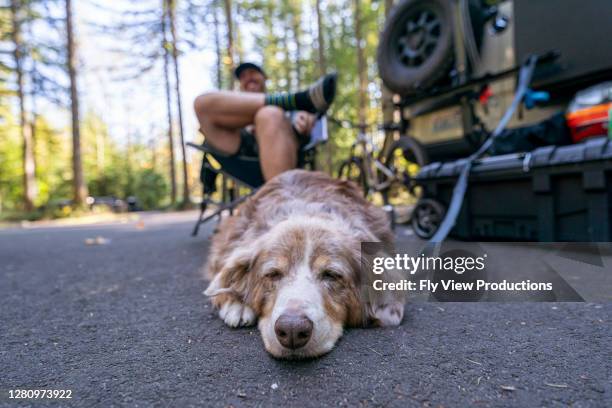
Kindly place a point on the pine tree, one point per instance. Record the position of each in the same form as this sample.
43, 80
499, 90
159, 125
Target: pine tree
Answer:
229, 65
78, 180
219, 54
388, 108
171, 13
166, 51
18, 12
361, 64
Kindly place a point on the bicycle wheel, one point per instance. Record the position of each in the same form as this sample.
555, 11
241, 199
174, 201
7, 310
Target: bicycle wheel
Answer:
404, 160
352, 170
428, 215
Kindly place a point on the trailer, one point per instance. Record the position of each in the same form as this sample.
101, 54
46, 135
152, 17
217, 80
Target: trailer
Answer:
454, 65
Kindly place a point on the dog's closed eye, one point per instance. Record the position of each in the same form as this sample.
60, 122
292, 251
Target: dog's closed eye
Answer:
274, 274
330, 275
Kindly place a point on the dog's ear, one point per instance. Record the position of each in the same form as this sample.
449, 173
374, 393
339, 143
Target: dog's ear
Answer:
232, 278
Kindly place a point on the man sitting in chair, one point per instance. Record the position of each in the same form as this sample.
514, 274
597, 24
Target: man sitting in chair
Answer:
252, 122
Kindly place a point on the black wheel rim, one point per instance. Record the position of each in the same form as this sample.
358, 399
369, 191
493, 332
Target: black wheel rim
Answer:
427, 219
418, 37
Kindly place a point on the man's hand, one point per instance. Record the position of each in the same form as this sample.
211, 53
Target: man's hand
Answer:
303, 122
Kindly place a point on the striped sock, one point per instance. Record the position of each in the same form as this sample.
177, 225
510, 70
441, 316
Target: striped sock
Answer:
315, 99
287, 101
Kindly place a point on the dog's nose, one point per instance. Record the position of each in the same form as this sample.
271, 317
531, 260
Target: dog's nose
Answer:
293, 330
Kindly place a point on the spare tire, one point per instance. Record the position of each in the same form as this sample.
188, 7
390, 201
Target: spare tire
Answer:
416, 46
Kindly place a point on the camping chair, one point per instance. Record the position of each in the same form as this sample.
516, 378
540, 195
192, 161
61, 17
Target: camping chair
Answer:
242, 172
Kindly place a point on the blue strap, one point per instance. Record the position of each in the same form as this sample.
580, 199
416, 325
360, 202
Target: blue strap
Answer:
454, 207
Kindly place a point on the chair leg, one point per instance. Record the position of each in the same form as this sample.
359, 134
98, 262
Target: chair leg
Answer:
230, 199
390, 211
196, 228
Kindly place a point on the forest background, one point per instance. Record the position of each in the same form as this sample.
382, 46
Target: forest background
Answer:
96, 97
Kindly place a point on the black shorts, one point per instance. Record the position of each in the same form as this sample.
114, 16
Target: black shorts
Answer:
248, 144
244, 164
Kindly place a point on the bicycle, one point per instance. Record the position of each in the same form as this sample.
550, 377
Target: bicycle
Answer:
387, 171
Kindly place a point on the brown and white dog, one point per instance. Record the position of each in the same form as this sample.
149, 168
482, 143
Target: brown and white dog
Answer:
290, 258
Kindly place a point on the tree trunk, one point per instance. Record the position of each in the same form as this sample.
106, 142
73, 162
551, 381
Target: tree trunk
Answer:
218, 46
230, 41
320, 40
270, 48
33, 124
166, 50
177, 85
296, 26
34, 89
238, 45
361, 65
29, 170
287, 57
388, 108
322, 70
78, 181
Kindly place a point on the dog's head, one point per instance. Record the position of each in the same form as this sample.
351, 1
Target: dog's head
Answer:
302, 278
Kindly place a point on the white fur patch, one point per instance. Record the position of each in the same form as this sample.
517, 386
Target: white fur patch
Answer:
390, 314
236, 314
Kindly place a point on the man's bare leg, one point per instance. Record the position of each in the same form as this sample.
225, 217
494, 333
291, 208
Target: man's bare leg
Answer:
222, 114
277, 143
228, 109
234, 110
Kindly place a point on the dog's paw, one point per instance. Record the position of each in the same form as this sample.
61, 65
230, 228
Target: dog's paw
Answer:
389, 314
236, 314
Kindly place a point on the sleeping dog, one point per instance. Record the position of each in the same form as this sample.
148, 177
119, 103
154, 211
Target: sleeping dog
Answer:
290, 259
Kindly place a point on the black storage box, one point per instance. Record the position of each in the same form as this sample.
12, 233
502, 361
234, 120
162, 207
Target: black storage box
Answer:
553, 193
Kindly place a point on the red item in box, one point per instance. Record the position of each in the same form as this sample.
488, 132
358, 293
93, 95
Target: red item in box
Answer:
589, 122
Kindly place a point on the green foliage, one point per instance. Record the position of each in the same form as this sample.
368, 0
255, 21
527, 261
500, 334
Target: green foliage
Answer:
11, 187
283, 32
285, 27
53, 155
151, 189
120, 172
147, 185
110, 170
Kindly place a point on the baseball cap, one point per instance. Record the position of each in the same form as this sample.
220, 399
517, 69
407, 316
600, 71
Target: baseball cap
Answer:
247, 65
